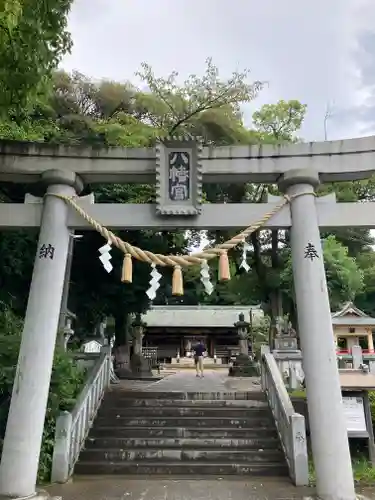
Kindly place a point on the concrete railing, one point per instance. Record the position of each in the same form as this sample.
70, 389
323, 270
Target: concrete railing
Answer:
290, 425
73, 427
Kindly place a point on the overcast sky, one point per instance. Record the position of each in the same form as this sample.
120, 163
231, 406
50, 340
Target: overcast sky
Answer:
321, 52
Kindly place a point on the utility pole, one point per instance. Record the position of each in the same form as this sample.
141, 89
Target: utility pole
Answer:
327, 116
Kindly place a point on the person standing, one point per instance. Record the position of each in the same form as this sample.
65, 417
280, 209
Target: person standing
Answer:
199, 351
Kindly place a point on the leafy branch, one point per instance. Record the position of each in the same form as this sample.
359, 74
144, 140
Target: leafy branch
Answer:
197, 94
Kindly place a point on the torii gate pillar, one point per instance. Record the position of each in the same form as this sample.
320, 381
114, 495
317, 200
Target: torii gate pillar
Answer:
329, 437
23, 437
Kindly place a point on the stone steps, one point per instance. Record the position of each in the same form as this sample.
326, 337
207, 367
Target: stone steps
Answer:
218, 422
181, 469
169, 412
177, 432
203, 442
112, 403
150, 433
181, 455
118, 395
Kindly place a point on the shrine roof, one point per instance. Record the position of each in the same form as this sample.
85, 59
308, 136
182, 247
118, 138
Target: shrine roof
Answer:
200, 316
350, 309
354, 321
350, 315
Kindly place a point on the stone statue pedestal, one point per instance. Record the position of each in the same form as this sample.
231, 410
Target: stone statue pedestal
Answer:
286, 343
140, 366
289, 360
243, 366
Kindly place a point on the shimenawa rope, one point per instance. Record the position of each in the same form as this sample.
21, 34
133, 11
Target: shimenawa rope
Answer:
175, 261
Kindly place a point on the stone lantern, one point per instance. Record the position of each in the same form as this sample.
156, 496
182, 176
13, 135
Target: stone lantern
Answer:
138, 334
139, 364
243, 329
243, 365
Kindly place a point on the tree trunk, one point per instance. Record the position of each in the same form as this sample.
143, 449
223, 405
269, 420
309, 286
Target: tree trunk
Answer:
121, 328
258, 264
276, 304
121, 349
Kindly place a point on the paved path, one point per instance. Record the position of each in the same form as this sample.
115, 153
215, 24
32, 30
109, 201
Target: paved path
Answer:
114, 488
178, 489
186, 381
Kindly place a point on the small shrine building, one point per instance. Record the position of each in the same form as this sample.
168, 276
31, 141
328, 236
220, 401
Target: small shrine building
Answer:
351, 326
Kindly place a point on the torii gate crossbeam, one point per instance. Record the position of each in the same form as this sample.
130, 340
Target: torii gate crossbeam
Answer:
331, 215
348, 160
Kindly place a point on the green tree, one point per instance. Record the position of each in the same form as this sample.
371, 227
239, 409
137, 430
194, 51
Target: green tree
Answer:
33, 38
17, 251
357, 239
177, 106
366, 298
345, 279
279, 122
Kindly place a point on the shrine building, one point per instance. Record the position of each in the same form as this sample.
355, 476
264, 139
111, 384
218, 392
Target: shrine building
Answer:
351, 326
174, 330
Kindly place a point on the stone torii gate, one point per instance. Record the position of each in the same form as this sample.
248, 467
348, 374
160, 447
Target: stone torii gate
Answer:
179, 167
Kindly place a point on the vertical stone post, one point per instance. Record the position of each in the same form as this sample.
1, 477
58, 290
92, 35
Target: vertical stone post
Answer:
329, 437
299, 450
139, 363
138, 340
370, 341
23, 436
357, 356
61, 451
65, 293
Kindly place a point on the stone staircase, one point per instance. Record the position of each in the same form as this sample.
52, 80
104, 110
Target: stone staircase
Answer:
175, 433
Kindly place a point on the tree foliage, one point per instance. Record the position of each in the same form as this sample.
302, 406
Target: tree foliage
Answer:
33, 38
345, 279
180, 105
280, 122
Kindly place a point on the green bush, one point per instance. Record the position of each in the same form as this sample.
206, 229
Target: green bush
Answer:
67, 381
371, 396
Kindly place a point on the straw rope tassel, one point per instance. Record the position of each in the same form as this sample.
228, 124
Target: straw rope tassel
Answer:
224, 269
127, 269
177, 281
175, 261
